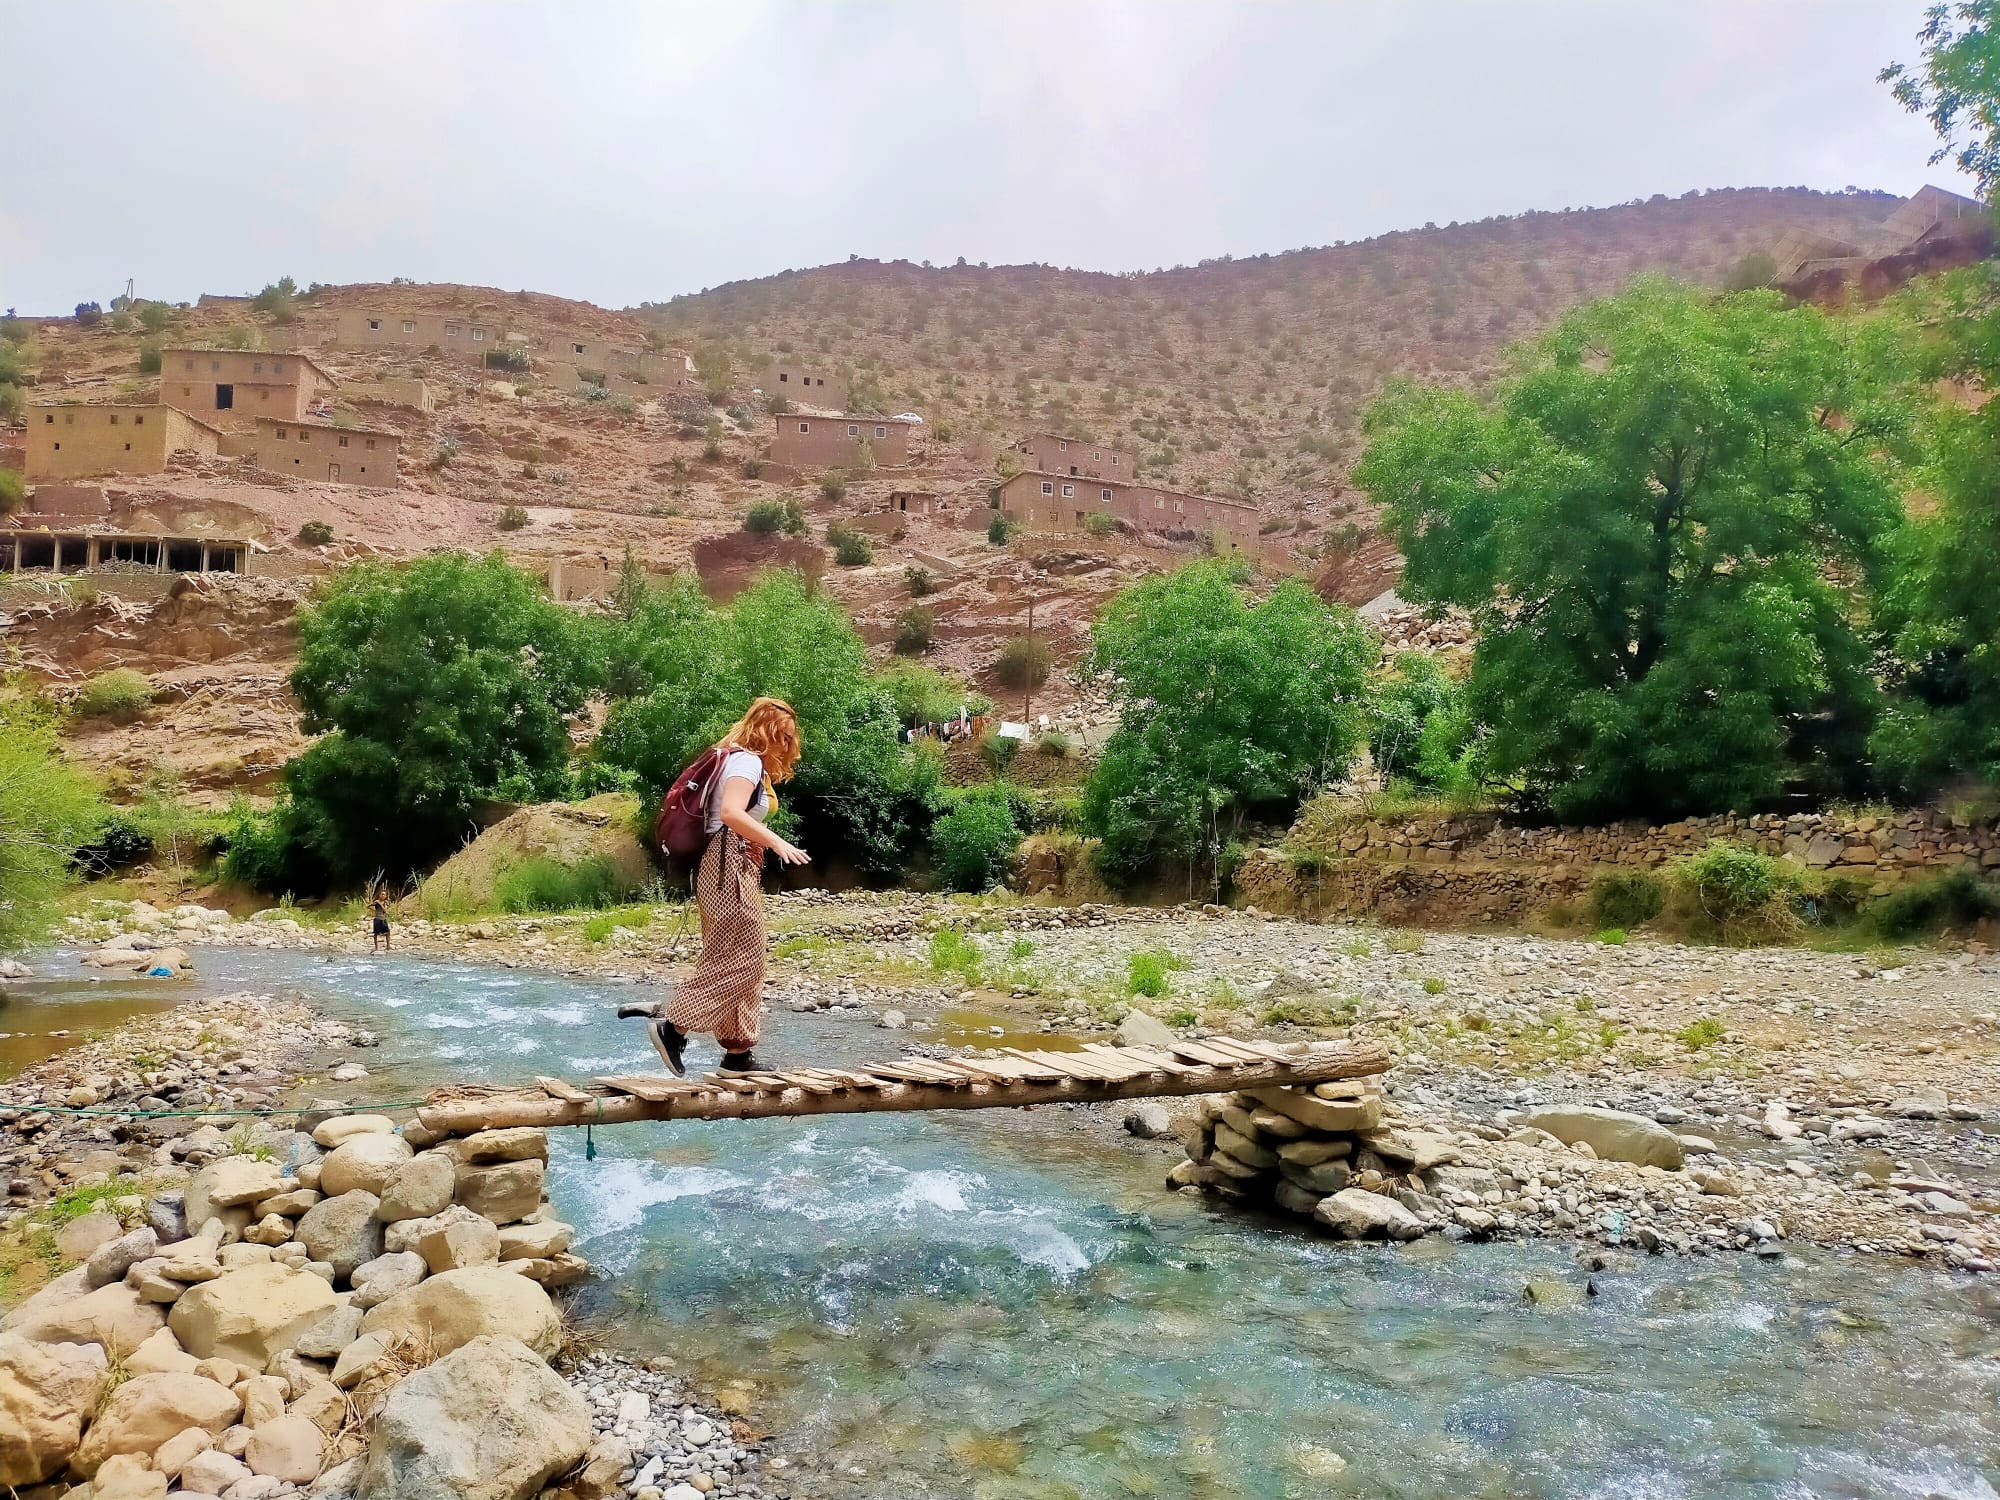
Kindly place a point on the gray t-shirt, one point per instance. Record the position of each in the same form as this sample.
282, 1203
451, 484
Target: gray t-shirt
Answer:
739, 765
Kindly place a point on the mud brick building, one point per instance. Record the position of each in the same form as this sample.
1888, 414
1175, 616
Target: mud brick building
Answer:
1043, 501
461, 335
1052, 453
73, 442
234, 387
841, 442
329, 454
807, 385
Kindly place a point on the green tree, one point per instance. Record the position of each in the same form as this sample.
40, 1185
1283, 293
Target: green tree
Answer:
430, 682
1942, 613
48, 810
1421, 730
1662, 524
1226, 705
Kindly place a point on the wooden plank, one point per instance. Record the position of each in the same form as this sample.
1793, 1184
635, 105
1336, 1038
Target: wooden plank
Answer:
555, 1088
1066, 1064
1039, 1068
1153, 1062
1196, 1052
653, 1090
901, 1073
993, 1069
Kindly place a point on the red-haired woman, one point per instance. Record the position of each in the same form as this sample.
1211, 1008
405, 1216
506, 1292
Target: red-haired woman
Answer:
724, 996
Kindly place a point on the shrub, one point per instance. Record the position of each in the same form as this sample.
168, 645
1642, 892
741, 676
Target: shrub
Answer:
123, 841
999, 529
1732, 884
1054, 744
1100, 523
47, 809
1023, 662
13, 490
121, 695
764, 518
1146, 971
919, 582
753, 468
953, 952
149, 356
444, 455
914, 628
999, 750
316, 533
513, 360
542, 884
711, 451
1626, 898
971, 844
833, 485
851, 547
511, 518
1956, 899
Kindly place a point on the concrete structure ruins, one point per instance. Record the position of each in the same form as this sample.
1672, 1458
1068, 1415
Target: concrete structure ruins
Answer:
1052, 453
322, 451
1935, 230
236, 386
72, 442
69, 549
841, 442
1056, 502
808, 385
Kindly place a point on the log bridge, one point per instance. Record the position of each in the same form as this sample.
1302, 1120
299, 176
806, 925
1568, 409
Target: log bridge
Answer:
1008, 1079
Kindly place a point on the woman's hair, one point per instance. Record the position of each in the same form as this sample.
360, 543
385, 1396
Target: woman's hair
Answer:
771, 730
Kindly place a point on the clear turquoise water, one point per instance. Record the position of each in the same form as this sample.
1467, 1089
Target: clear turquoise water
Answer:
1007, 1304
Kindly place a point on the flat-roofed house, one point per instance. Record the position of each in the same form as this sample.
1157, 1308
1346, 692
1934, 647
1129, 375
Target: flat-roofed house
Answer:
75, 441
234, 387
329, 454
1052, 453
810, 442
809, 385
461, 335
1064, 502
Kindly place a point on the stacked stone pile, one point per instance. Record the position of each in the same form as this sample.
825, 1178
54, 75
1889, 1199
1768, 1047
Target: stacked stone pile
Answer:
1336, 1153
265, 1318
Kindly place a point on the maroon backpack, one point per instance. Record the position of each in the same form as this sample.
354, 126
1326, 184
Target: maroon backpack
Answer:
682, 831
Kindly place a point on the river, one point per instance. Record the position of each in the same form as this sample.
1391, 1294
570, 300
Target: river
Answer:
1007, 1304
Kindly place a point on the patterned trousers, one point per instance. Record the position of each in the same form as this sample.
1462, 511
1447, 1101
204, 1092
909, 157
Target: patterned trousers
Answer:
724, 995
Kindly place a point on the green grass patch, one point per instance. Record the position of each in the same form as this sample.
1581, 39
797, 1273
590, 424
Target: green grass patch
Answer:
600, 927
1433, 986
1146, 971
548, 885
1612, 937
954, 952
1699, 1034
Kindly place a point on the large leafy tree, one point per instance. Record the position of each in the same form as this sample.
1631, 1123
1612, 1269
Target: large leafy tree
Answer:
1943, 609
432, 684
1662, 522
1226, 704
856, 787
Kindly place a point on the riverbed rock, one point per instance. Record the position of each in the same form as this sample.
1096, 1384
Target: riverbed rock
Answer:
234, 1182
179, 1450
109, 1262
1321, 1178
290, 1448
504, 1192
148, 1409
125, 1476
47, 1393
248, 1316
376, 1281
535, 1240
1356, 1214
1331, 1115
453, 1308
114, 1316
420, 1187
212, 1471
488, 1421
331, 1132
291, 1203
1613, 1134
166, 1216
1245, 1148
343, 1229
162, 1353
1149, 1120
334, 1331
508, 1143
82, 1238
459, 1239
363, 1163
1141, 1029
1314, 1150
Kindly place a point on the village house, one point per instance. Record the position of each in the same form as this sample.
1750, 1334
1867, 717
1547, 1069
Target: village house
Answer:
460, 335
321, 451
806, 385
1043, 501
239, 385
1052, 453
913, 502
841, 442
71, 442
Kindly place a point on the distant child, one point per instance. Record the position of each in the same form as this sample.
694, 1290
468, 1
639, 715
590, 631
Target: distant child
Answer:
378, 908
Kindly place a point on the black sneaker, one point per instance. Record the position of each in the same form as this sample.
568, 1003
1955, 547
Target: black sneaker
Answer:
668, 1040
636, 1010
739, 1062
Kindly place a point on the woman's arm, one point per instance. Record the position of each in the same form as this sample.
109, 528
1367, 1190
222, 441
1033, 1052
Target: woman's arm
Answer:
734, 812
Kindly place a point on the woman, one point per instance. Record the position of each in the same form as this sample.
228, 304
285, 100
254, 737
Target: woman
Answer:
724, 995
378, 908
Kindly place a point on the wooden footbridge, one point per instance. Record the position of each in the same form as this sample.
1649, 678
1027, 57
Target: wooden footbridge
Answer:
1007, 1079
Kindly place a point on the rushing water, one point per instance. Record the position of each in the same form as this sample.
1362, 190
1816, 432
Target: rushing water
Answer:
1006, 1304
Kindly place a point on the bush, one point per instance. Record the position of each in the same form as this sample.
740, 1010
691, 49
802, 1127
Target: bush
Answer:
511, 518
851, 548
1954, 900
1023, 662
924, 695
149, 356
919, 582
971, 843
272, 851
914, 628
155, 316
998, 750
13, 491
764, 518
953, 952
998, 529
833, 485
542, 884
47, 809
122, 842
121, 695
1100, 523
516, 361
1626, 898
316, 533
1146, 971
444, 455
1054, 744
1734, 893
753, 468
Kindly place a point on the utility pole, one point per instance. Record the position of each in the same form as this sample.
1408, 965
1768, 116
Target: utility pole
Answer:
1028, 668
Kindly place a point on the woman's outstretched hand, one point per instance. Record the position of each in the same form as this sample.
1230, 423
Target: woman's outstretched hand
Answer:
790, 854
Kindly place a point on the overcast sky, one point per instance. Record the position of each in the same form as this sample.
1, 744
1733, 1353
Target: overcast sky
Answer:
628, 150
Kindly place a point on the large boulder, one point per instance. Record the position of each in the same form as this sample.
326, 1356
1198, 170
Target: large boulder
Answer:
458, 1238
250, 1315
421, 1186
114, 1316
363, 1163
453, 1308
508, 1143
332, 1132
1330, 1115
233, 1182
541, 1239
125, 1476
82, 1238
504, 1192
343, 1230
1612, 1133
288, 1448
148, 1409
386, 1276
1356, 1214
488, 1421
47, 1393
